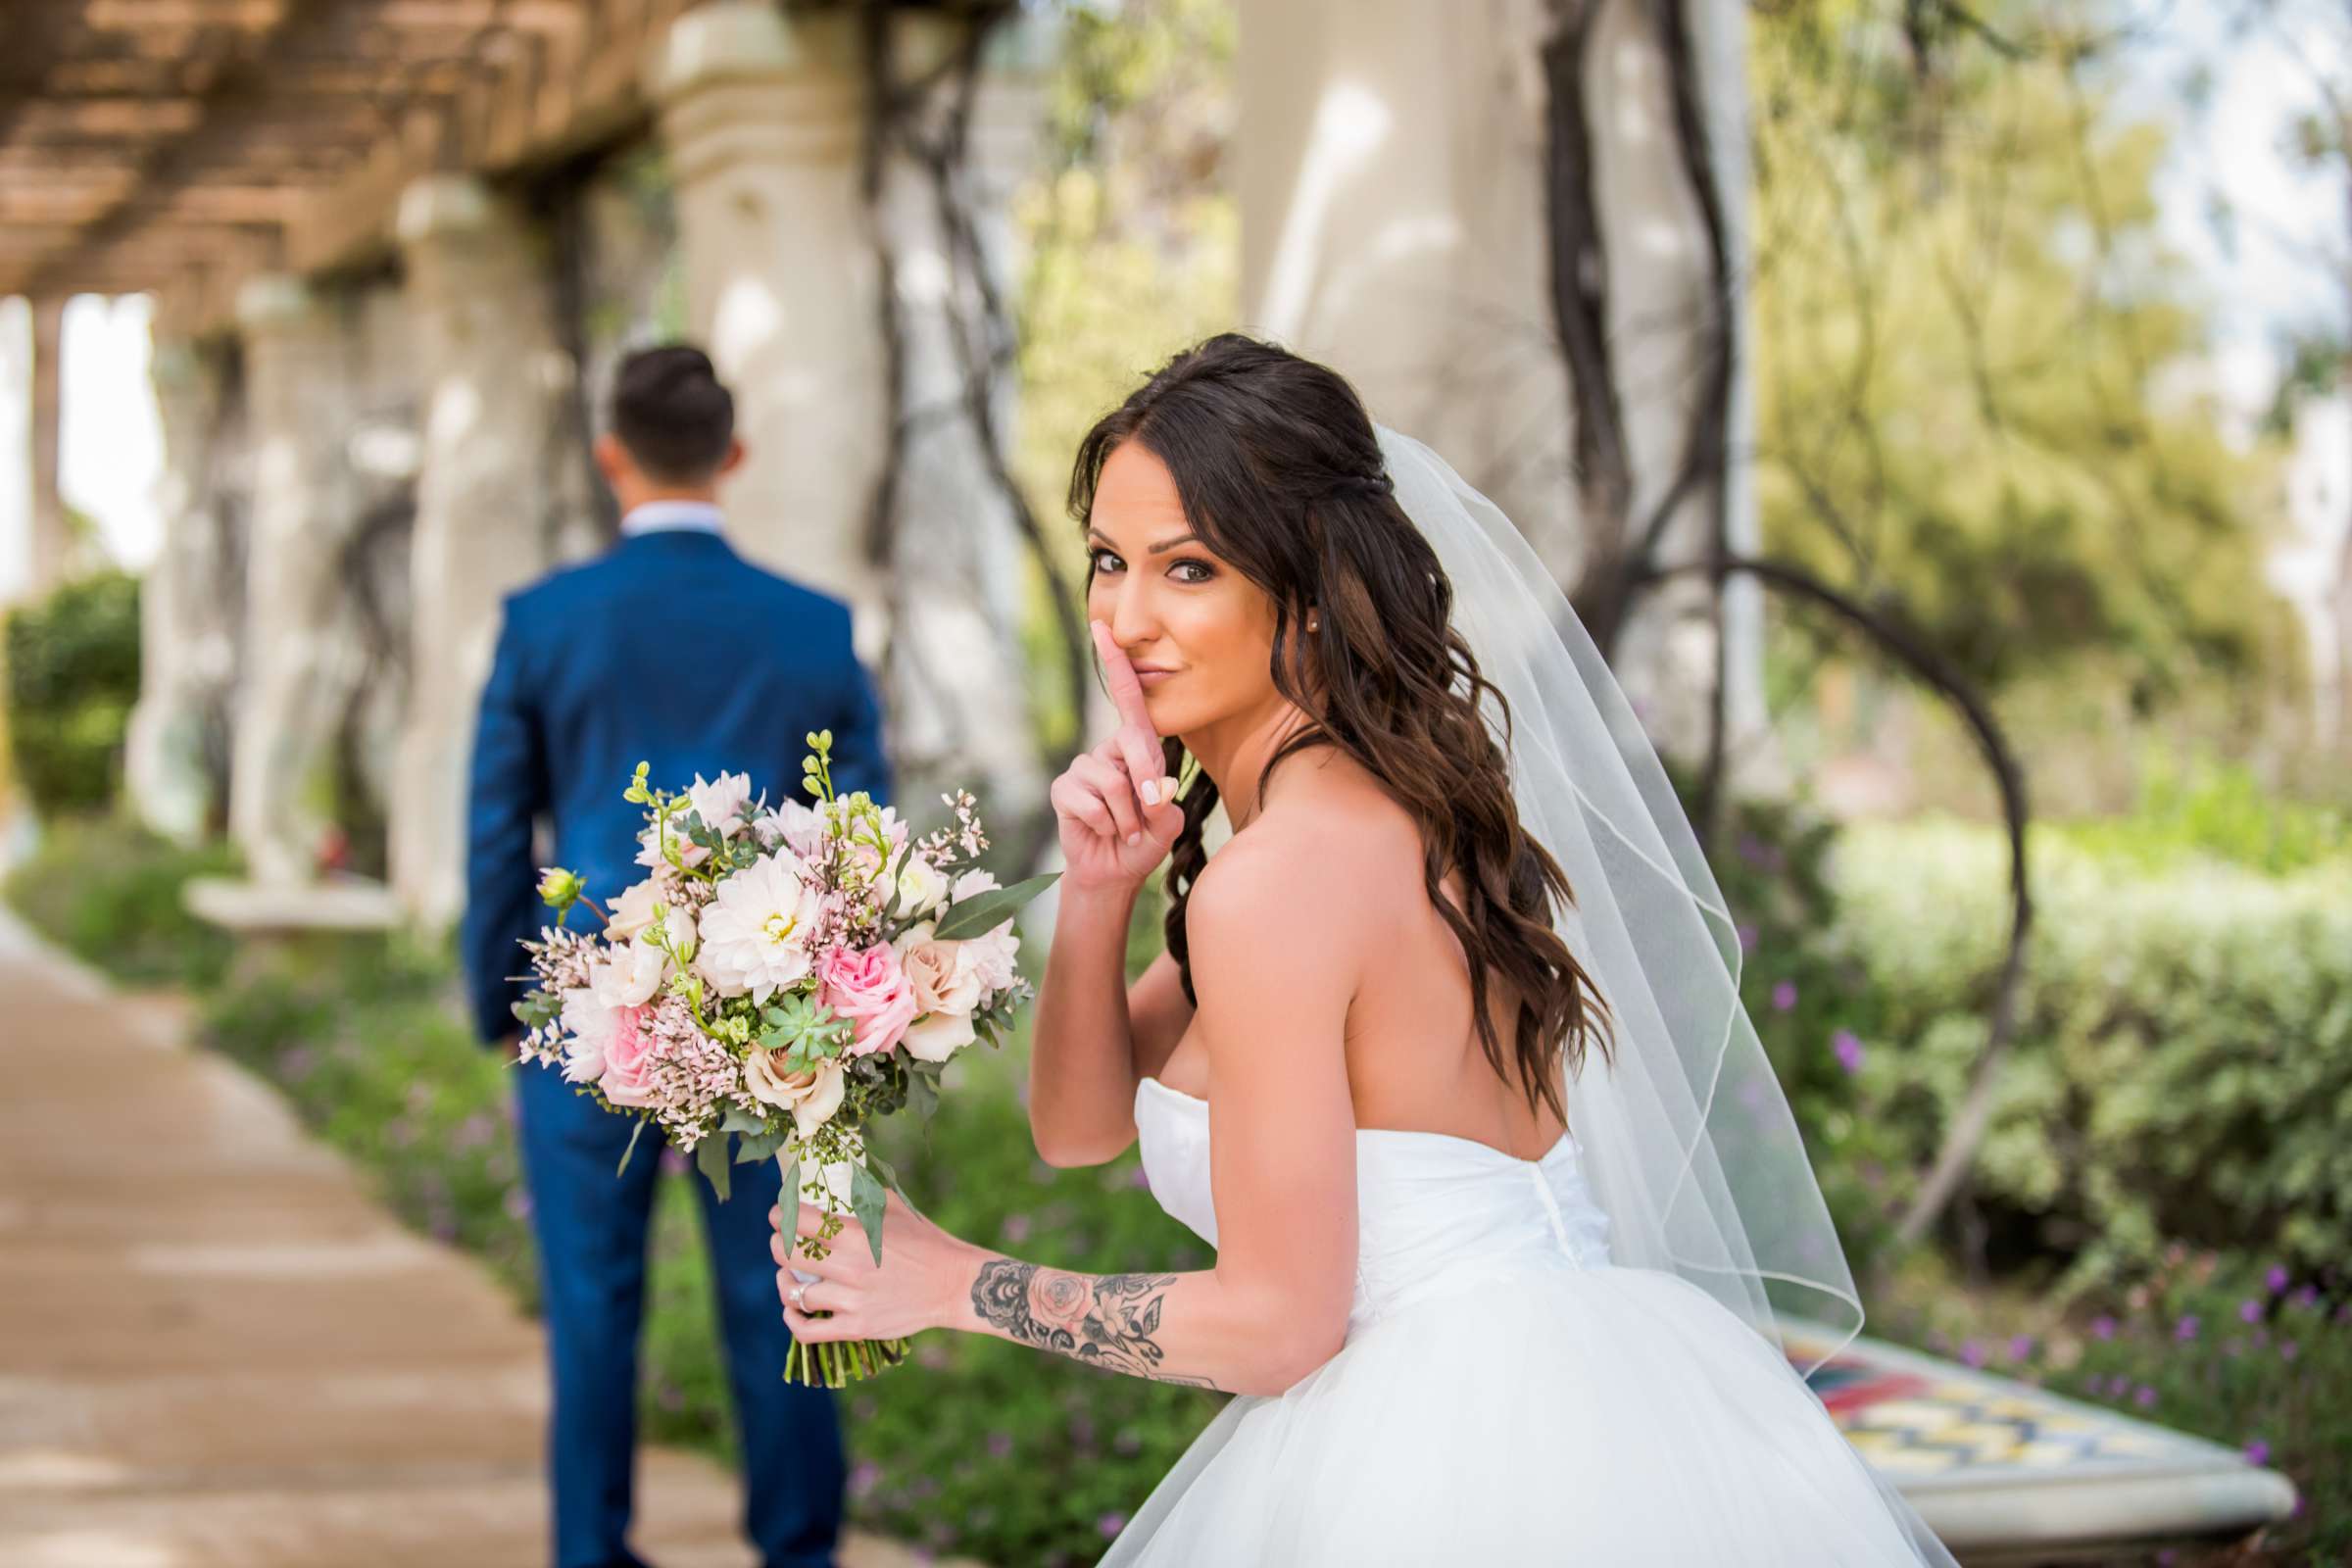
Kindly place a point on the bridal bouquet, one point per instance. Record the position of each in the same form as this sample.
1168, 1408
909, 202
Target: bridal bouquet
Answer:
780, 979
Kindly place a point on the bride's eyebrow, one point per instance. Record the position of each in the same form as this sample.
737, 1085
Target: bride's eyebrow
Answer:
1162, 548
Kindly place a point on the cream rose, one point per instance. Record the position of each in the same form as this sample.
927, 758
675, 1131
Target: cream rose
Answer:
811, 1096
922, 887
630, 978
633, 912
939, 1036
942, 974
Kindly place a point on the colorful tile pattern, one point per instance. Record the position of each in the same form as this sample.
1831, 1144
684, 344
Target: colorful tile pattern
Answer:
1913, 1418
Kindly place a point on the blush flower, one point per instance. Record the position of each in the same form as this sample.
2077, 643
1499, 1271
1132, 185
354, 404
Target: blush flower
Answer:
722, 803
867, 986
628, 1057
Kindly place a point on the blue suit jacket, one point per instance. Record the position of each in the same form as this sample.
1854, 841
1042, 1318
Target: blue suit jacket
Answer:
671, 649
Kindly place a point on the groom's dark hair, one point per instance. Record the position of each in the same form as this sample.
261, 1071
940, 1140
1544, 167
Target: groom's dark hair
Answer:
671, 412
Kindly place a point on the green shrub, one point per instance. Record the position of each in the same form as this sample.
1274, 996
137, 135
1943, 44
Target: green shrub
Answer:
72, 675
2214, 810
111, 895
2230, 1346
2182, 1067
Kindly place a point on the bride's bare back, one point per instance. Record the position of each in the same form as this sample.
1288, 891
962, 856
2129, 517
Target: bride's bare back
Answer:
1414, 1060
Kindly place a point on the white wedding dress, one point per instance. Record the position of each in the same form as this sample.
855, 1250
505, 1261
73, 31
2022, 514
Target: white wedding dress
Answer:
1506, 1397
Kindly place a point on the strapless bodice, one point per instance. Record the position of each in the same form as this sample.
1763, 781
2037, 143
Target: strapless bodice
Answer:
1435, 1214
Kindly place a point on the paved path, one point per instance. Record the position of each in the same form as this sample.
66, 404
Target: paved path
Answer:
216, 1352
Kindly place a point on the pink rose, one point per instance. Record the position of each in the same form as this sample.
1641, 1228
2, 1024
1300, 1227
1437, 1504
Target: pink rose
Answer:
867, 986
627, 1053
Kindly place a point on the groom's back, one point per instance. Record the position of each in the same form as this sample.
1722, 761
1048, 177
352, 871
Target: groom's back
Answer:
673, 651
670, 650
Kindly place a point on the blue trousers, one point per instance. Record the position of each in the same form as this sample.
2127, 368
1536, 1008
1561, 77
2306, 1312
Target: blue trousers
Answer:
591, 1230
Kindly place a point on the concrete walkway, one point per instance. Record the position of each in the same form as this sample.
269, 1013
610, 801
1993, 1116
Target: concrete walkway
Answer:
216, 1352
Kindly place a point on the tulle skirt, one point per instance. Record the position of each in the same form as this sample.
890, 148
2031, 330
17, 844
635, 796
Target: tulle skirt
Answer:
1608, 1417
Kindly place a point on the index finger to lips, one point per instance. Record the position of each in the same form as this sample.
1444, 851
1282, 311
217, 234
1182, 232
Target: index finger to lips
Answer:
1126, 691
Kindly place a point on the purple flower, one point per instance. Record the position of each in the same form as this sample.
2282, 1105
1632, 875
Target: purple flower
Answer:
2186, 1329
1111, 1524
2308, 1297
2288, 1351
2021, 1347
1140, 1178
1784, 996
2102, 1326
1971, 1353
865, 1476
999, 1445
2249, 1310
517, 1202
1848, 1047
2276, 1279
2146, 1398
2258, 1452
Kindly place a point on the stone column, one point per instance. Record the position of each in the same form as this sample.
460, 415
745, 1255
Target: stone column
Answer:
1390, 159
954, 676
187, 648
495, 379
300, 667
762, 116
52, 538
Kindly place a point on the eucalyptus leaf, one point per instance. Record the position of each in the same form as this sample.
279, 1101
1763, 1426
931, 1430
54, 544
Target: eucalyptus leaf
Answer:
739, 1120
752, 1147
711, 1159
638, 1133
789, 1199
985, 911
922, 1095
867, 1200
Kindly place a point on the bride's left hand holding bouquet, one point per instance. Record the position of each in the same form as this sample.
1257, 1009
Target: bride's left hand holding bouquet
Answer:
782, 977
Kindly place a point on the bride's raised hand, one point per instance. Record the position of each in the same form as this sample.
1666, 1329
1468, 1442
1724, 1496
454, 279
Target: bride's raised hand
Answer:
1114, 806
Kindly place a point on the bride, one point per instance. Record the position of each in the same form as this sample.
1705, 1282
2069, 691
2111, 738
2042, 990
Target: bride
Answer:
1444, 1056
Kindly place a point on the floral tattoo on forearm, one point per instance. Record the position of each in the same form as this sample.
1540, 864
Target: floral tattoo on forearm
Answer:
1105, 1320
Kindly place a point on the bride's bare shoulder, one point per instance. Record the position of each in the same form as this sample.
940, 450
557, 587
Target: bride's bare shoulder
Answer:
1333, 844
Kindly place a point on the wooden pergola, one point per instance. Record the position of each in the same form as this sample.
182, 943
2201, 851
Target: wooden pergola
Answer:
183, 146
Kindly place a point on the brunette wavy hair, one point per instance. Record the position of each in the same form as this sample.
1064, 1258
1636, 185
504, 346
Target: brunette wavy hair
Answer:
1280, 473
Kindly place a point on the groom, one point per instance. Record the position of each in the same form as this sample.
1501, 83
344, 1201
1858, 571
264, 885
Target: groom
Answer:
673, 651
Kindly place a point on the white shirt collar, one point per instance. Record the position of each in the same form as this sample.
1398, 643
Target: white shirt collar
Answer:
672, 516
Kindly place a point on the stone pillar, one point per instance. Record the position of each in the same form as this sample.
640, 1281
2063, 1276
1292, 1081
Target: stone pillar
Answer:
52, 537
495, 380
954, 676
764, 117
187, 648
300, 669
1391, 167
